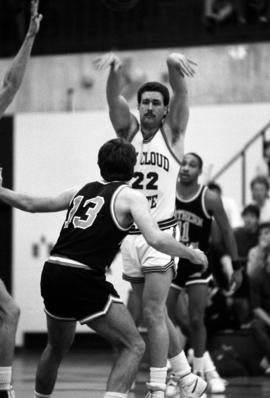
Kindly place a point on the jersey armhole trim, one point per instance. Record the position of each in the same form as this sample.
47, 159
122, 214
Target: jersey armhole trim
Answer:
169, 146
116, 192
203, 203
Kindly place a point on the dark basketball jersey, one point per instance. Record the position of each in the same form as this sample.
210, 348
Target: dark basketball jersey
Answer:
91, 234
194, 220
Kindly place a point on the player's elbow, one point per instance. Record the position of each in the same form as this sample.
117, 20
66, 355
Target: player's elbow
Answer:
29, 206
155, 240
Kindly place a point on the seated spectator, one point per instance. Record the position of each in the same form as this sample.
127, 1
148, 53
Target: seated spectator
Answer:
216, 11
256, 254
246, 238
230, 206
263, 168
259, 190
260, 300
247, 235
252, 11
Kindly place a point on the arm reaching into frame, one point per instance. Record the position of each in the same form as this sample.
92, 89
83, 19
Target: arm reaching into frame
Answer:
36, 204
14, 75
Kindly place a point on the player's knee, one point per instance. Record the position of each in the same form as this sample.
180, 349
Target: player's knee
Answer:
57, 350
197, 320
139, 347
153, 314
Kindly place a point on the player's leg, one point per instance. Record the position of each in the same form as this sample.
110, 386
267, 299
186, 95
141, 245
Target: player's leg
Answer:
60, 338
198, 295
181, 380
9, 315
118, 327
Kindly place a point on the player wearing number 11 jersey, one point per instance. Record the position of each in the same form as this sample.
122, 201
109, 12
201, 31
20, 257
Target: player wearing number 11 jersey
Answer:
195, 207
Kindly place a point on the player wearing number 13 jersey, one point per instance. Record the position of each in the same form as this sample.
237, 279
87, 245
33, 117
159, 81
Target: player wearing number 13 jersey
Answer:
73, 282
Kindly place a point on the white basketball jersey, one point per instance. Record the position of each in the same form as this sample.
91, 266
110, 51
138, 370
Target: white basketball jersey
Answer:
155, 174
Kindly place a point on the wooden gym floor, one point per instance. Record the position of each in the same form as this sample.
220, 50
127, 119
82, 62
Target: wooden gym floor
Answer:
83, 374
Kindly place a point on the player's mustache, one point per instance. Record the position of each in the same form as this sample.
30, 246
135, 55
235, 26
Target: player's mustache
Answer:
149, 113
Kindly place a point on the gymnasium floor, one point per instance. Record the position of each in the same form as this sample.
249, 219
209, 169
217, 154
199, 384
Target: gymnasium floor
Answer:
83, 374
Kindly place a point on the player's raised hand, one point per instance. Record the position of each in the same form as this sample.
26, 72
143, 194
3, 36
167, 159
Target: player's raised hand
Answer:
35, 18
184, 66
107, 60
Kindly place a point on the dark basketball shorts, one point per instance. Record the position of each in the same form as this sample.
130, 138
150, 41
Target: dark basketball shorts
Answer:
74, 294
190, 274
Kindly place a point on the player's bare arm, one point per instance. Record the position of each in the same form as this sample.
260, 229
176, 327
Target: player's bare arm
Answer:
31, 203
215, 207
124, 123
136, 204
179, 68
14, 75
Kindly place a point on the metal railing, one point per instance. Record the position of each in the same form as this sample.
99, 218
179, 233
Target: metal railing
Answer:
242, 154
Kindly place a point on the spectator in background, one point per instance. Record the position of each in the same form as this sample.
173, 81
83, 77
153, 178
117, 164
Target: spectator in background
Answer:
238, 302
250, 10
263, 168
216, 11
246, 238
259, 190
260, 299
256, 254
230, 206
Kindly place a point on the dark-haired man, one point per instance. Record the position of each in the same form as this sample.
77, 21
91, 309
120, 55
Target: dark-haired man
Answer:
259, 190
9, 310
196, 205
73, 283
158, 138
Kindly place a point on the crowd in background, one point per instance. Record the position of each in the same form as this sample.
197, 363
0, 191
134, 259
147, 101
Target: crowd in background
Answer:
249, 306
243, 11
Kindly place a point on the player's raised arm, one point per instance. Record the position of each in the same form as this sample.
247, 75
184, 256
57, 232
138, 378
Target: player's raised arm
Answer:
14, 75
179, 68
124, 123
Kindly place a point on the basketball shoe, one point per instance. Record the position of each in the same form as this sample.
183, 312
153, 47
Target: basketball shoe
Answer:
155, 390
216, 385
188, 386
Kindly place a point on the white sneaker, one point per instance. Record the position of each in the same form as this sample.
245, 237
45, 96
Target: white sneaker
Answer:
172, 388
216, 385
192, 386
155, 390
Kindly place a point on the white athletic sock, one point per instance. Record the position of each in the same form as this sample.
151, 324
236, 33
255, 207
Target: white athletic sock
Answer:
5, 377
110, 394
158, 375
198, 365
209, 365
39, 395
180, 365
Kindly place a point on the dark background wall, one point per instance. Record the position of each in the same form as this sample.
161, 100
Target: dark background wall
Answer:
87, 25
6, 161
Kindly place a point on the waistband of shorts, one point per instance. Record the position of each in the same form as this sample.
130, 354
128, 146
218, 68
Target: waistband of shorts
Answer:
68, 262
164, 224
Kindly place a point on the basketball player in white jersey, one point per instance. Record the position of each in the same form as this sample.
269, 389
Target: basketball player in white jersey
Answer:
73, 281
9, 310
158, 139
